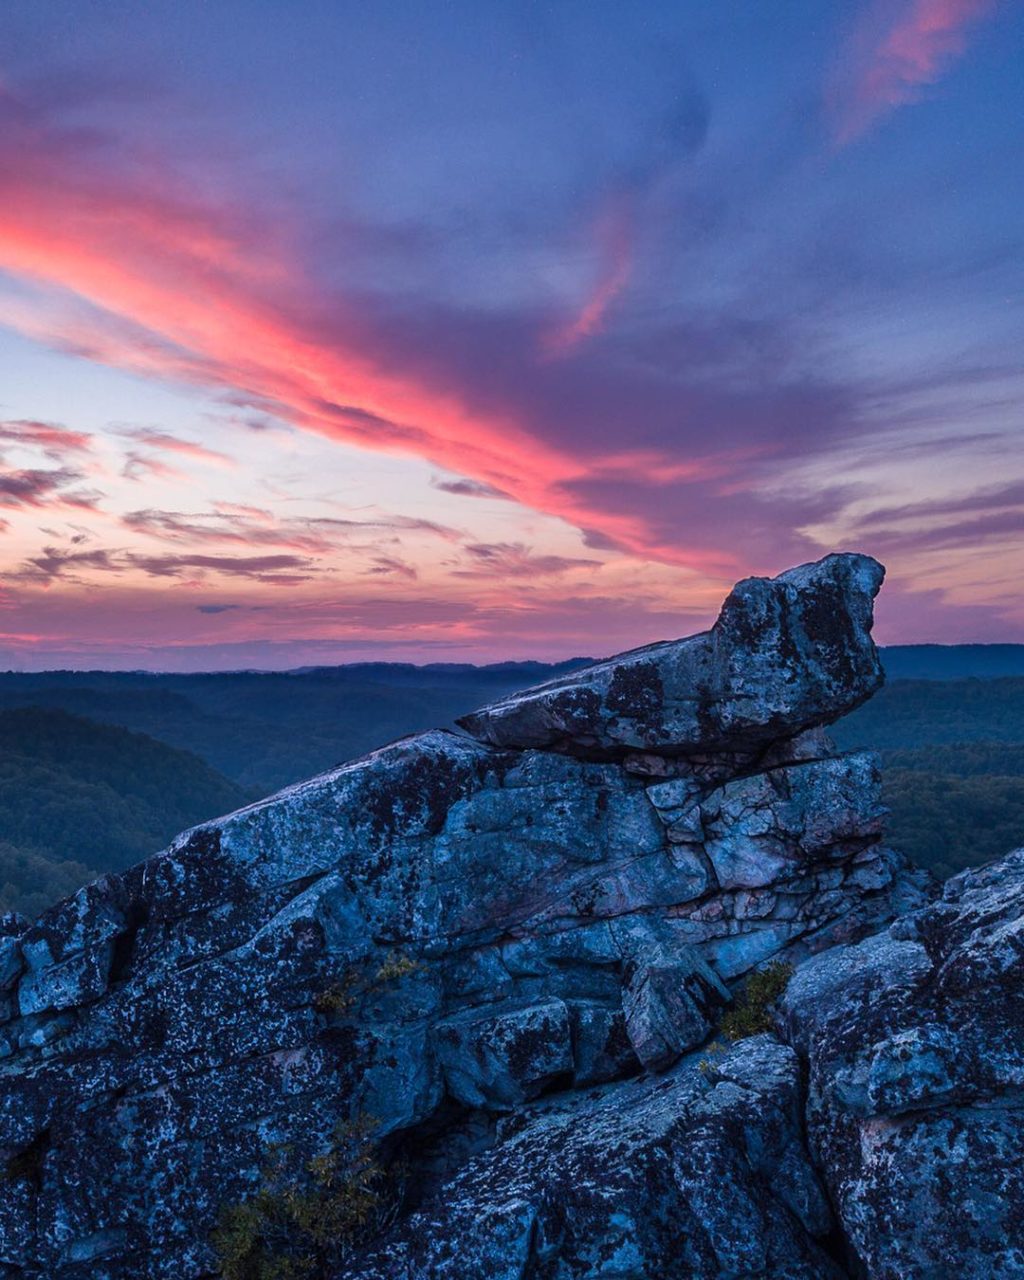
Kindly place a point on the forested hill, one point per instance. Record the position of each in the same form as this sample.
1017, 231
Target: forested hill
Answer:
267, 729
953, 766
79, 798
952, 661
927, 713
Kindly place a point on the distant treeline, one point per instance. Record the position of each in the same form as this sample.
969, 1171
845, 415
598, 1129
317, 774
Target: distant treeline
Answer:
952, 661
267, 729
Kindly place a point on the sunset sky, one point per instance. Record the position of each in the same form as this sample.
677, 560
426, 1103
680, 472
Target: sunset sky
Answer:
442, 330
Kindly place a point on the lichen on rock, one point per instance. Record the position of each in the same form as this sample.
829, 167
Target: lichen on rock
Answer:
575, 886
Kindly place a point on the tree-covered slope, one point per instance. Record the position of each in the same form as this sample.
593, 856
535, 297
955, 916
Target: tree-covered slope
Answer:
79, 798
927, 713
946, 822
953, 763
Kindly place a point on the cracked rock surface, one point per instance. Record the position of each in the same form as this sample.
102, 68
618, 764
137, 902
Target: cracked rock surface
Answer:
668, 1176
915, 1040
507, 946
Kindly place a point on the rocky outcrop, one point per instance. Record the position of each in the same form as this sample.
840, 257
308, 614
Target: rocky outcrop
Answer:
785, 654
668, 1176
450, 933
915, 1040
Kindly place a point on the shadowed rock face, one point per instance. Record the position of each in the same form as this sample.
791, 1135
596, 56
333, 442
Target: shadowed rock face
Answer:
663, 1177
785, 654
916, 1109
449, 932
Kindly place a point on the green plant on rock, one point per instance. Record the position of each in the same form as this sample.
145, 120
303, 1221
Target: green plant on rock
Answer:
751, 1013
706, 1066
342, 995
300, 1223
339, 997
395, 965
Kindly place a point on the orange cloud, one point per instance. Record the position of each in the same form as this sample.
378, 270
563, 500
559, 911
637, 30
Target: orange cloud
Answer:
895, 58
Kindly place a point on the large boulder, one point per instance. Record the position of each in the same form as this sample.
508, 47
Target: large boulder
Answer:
915, 1040
436, 936
693, 1174
786, 653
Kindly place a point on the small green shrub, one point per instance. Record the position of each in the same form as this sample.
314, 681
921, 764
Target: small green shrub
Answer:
342, 995
751, 1013
338, 997
396, 964
301, 1223
713, 1049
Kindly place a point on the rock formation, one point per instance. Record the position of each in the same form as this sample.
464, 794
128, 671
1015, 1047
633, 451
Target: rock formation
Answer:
506, 947
785, 654
915, 1113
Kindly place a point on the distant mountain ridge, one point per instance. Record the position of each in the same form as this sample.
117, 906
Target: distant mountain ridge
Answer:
267, 729
952, 661
259, 731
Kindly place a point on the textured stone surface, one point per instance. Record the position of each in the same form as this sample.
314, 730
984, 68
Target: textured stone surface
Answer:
440, 935
785, 654
915, 1039
684, 1175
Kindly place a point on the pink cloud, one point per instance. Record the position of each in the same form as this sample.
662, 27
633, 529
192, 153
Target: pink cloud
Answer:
139, 466
196, 293
898, 50
163, 441
252, 526
499, 560
54, 440
613, 243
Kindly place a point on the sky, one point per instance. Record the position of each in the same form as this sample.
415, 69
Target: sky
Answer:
469, 330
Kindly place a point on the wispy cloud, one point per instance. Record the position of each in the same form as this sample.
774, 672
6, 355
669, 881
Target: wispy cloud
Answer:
465, 488
57, 562
497, 560
38, 488
391, 567
269, 569
897, 51
613, 248
54, 440
140, 466
164, 441
614, 232
253, 526
990, 515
